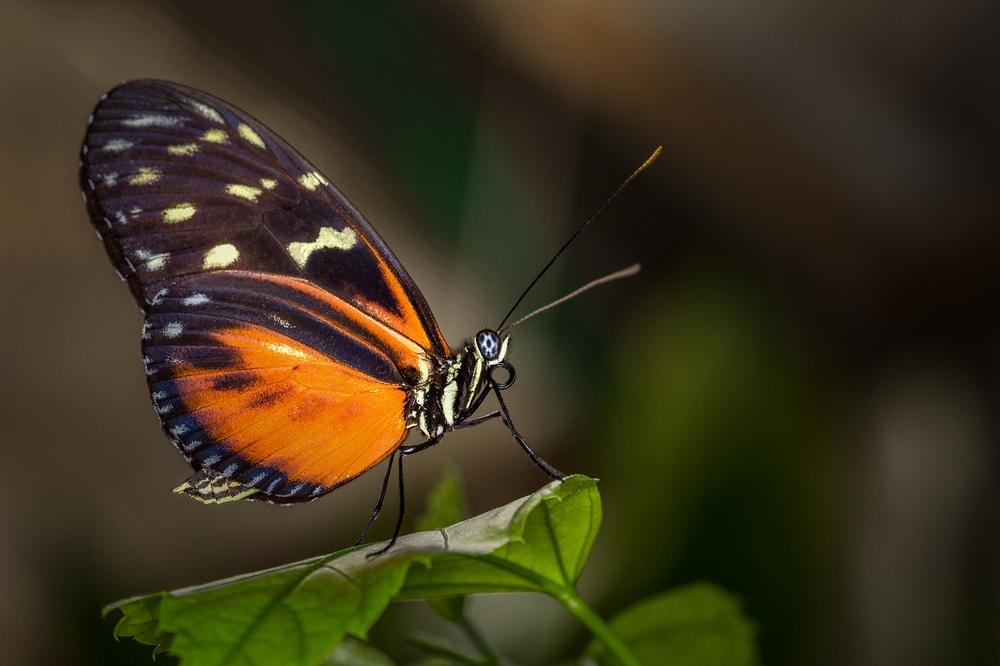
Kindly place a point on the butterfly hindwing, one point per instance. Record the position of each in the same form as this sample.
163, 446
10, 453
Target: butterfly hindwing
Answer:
267, 391
281, 333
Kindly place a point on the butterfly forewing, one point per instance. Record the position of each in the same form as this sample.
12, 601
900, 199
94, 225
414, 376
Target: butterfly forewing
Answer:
281, 333
179, 182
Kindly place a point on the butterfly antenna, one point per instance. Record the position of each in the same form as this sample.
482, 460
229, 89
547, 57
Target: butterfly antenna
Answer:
642, 167
611, 277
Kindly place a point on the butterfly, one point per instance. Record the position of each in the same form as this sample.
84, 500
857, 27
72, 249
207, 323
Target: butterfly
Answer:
286, 349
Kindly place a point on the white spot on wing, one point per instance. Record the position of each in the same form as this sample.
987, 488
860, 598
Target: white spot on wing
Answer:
173, 329
179, 213
153, 120
196, 299
154, 261
183, 149
159, 296
117, 145
109, 179
280, 321
206, 111
243, 191
328, 238
215, 136
120, 216
250, 135
221, 256
312, 180
146, 175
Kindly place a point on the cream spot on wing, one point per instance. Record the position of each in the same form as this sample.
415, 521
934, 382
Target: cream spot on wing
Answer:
268, 183
145, 176
221, 256
196, 299
117, 145
280, 321
328, 238
152, 120
154, 261
280, 348
312, 180
243, 191
173, 329
179, 213
215, 136
183, 149
206, 111
247, 133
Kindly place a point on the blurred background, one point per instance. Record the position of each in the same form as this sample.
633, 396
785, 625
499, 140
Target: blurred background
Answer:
796, 399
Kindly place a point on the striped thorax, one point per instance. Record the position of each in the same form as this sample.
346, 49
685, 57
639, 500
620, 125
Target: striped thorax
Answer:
443, 400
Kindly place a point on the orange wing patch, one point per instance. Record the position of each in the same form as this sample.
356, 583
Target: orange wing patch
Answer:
284, 406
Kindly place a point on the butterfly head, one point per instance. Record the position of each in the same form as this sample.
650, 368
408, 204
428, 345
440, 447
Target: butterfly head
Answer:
491, 347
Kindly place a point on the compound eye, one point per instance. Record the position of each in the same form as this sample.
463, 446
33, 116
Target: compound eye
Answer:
489, 344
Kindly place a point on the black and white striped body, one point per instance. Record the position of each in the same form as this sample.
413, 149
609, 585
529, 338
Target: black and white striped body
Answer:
448, 395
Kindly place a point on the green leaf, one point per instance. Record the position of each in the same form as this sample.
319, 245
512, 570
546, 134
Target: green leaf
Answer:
696, 625
353, 652
294, 615
445, 505
550, 540
140, 621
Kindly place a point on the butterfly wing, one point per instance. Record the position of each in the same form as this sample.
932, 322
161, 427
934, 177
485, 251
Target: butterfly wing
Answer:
281, 332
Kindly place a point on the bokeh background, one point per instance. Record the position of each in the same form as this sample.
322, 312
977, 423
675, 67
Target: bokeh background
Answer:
796, 399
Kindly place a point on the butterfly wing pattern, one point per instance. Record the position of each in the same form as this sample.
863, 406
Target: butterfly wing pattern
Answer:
281, 334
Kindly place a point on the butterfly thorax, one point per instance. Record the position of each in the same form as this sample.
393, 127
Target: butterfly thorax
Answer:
448, 395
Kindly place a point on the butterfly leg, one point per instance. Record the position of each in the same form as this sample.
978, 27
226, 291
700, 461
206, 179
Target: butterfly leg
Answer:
403, 452
535, 458
378, 505
468, 423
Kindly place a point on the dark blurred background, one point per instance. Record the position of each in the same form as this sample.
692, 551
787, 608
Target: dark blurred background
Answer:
796, 399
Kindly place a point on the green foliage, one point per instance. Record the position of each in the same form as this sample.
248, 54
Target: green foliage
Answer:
353, 652
318, 611
296, 614
696, 625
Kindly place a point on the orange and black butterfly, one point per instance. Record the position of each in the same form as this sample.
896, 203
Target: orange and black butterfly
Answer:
286, 348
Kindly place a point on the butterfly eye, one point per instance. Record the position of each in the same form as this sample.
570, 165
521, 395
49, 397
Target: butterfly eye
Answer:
488, 343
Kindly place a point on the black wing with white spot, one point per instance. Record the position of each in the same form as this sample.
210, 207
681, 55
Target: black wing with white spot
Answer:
179, 182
